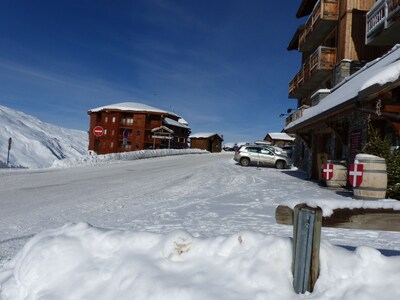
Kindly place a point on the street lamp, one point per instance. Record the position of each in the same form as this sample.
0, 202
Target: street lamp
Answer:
288, 112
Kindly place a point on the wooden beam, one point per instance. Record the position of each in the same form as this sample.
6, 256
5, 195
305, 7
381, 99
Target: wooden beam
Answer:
391, 108
356, 218
386, 115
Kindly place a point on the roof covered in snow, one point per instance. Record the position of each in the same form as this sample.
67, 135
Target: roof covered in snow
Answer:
280, 136
183, 121
132, 106
204, 135
378, 72
172, 122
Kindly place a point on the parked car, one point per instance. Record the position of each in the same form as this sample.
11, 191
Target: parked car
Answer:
277, 150
261, 155
289, 150
230, 147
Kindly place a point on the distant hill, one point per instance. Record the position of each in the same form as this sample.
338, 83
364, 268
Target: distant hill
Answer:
36, 144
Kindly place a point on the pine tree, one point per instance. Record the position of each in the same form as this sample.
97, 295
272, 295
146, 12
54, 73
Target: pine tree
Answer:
379, 146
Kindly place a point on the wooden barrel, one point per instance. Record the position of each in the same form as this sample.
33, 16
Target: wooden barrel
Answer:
374, 182
339, 178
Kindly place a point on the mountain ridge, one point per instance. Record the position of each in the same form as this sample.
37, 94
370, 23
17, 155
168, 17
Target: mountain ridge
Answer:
36, 144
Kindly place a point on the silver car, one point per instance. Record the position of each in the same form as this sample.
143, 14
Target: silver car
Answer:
261, 155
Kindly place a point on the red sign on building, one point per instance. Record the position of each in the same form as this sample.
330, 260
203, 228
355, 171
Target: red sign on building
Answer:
356, 174
98, 131
327, 171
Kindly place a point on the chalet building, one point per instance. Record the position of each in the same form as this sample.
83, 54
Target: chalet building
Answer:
348, 80
207, 141
279, 139
133, 126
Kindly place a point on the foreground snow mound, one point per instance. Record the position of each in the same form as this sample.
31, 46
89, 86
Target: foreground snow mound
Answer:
36, 144
91, 160
82, 262
78, 261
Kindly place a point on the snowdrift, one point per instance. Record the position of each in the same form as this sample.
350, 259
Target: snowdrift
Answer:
91, 160
79, 261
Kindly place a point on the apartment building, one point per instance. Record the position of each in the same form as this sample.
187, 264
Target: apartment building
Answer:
348, 79
131, 126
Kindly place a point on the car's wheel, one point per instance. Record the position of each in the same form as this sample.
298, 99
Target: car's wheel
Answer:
245, 161
280, 164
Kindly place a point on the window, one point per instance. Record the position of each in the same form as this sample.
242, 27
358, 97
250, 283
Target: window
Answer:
105, 131
266, 151
113, 119
254, 150
126, 133
137, 132
129, 121
123, 121
104, 145
112, 132
112, 145
106, 119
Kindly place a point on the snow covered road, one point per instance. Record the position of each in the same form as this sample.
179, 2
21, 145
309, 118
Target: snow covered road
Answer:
206, 195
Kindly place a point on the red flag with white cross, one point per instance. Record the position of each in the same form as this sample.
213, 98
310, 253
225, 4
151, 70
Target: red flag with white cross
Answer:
356, 174
327, 171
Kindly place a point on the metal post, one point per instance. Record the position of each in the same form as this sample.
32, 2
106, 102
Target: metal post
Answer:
9, 148
306, 241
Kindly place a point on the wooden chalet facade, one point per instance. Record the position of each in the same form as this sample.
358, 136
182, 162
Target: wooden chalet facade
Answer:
279, 139
211, 142
348, 79
133, 126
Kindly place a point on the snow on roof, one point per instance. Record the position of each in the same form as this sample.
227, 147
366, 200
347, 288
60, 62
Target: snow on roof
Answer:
183, 121
203, 135
281, 136
132, 106
388, 67
384, 75
172, 122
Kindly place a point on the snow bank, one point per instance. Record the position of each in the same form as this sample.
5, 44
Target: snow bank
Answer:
78, 261
90, 160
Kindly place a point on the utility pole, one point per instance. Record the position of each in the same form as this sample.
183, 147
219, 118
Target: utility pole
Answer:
9, 148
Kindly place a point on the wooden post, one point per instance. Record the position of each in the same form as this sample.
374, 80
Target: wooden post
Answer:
307, 223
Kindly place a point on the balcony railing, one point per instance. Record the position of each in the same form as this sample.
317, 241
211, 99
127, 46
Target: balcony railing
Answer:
296, 115
383, 23
320, 23
315, 69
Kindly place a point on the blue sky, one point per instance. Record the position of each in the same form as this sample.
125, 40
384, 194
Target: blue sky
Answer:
220, 64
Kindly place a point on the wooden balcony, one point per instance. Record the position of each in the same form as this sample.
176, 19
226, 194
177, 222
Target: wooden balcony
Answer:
315, 70
320, 23
383, 23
